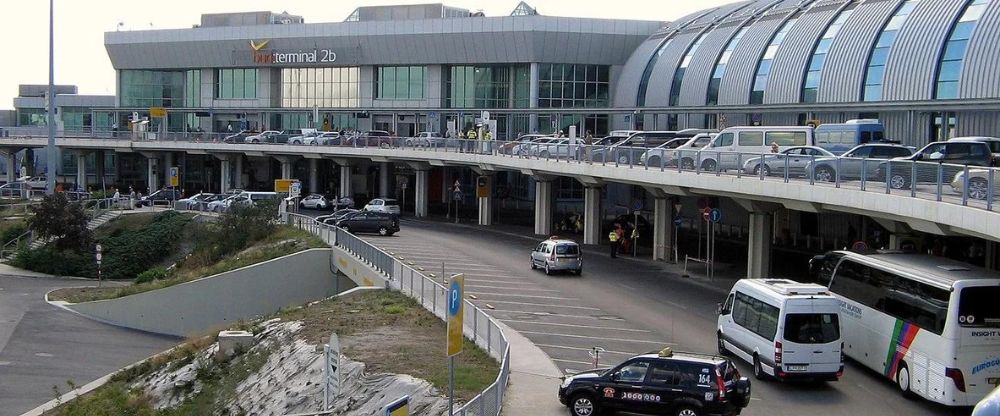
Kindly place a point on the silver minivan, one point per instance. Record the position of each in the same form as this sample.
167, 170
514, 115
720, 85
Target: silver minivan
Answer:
557, 254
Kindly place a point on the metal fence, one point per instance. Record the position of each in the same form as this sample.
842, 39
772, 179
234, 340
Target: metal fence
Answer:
428, 289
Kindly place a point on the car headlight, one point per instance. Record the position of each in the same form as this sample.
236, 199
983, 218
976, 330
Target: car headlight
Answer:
566, 382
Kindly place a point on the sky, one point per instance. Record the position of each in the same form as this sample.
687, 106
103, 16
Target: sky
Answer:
80, 57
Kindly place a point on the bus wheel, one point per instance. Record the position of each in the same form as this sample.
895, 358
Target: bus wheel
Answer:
903, 380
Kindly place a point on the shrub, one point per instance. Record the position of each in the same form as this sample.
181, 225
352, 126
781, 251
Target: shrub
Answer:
132, 252
54, 261
156, 273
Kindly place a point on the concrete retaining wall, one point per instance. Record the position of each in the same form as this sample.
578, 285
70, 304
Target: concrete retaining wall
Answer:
223, 299
360, 273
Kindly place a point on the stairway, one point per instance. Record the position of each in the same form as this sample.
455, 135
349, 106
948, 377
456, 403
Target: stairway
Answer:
100, 220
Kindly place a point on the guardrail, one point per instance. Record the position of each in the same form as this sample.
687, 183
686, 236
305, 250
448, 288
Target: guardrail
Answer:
930, 177
482, 329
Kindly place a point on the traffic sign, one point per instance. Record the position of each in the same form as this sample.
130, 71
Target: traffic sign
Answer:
295, 190
157, 112
175, 176
99, 256
637, 205
99, 248
678, 220
705, 215
400, 407
715, 215
457, 195
456, 301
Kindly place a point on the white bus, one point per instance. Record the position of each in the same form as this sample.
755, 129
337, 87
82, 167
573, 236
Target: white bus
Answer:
929, 324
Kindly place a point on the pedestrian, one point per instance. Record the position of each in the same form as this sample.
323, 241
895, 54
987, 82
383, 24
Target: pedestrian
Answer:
588, 142
774, 147
471, 138
613, 237
622, 242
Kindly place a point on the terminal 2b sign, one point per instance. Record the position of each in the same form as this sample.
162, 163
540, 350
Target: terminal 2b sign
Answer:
262, 55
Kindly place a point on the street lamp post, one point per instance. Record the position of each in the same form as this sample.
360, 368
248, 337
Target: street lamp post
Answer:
50, 150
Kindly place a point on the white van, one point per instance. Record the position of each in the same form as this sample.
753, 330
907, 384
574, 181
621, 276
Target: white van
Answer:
786, 329
736, 144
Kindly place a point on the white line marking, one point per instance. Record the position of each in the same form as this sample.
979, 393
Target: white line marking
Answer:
468, 279
626, 286
571, 361
586, 349
563, 315
511, 288
575, 326
600, 338
540, 304
521, 296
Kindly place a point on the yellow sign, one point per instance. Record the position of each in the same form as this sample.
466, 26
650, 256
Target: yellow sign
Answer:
259, 45
175, 176
157, 112
456, 307
283, 185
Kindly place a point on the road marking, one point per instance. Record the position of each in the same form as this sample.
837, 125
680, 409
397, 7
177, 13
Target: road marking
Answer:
626, 286
540, 304
467, 279
611, 328
503, 276
572, 361
600, 338
522, 296
510, 288
563, 347
599, 318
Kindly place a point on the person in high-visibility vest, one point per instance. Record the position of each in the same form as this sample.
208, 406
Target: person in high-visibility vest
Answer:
471, 137
613, 237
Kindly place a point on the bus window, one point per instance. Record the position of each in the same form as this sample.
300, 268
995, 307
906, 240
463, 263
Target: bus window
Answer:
977, 307
787, 138
866, 137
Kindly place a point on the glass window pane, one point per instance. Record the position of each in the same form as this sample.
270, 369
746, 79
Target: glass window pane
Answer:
770, 52
823, 45
955, 49
886, 39
895, 23
760, 83
973, 13
817, 62
950, 71
875, 74
809, 95
812, 79
962, 30
765, 67
879, 56
947, 89
873, 92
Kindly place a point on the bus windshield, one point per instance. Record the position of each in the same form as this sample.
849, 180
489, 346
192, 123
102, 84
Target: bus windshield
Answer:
976, 307
812, 328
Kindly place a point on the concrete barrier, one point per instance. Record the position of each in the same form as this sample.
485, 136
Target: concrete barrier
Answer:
222, 299
357, 270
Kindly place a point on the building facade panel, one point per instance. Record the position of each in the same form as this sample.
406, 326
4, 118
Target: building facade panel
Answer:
628, 81
789, 65
912, 66
738, 80
657, 94
695, 85
984, 48
843, 75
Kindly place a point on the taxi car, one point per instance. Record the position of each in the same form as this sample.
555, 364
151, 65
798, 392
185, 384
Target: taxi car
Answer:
663, 383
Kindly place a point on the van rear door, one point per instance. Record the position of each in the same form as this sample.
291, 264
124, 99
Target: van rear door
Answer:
811, 339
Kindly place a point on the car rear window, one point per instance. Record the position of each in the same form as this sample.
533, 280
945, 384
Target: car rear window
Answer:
572, 249
812, 328
977, 307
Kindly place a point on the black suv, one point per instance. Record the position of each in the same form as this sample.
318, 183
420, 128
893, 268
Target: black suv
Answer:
161, 197
664, 383
371, 222
936, 161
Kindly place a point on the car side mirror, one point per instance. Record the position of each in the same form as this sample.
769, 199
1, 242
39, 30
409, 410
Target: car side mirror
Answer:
936, 156
718, 308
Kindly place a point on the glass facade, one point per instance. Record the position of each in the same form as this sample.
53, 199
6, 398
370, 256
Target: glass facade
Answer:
400, 82
950, 65
76, 118
31, 117
143, 89
764, 67
875, 72
488, 86
571, 86
320, 87
720, 67
192, 88
675, 85
814, 73
236, 83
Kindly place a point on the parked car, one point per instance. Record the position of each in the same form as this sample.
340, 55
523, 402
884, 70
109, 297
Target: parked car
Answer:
329, 138
314, 201
687, 153
337, 215
163, 196
979, 183
341, 203
794, 158
371, 222
631, 149
989, 406
269, 136
192, 201
657, 155
512, 147
221, 205
560, 148
237, 138
15, 190
992, 142
723, 152
373, 138
938, 158
252, 197
203, 205
557, 254
298, 137
663, 383
526, 147
425, 139
386, 205
855, 163
35, 182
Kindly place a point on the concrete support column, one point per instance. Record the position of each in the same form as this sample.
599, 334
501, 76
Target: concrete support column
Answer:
313, 172
591, 215
759, 247
151, 174
168, 162
345, 181
533, 97
225, 174
662, 229
11, 159
81, 171
286, 166
543, 207
238, 174
991, 255
383, 179
421, 194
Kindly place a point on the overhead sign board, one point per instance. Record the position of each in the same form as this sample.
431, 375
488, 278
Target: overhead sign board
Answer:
157, 112
456, 306
284, 185
263, 55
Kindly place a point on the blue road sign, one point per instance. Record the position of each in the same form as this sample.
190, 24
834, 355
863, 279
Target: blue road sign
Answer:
678, 220
637, 205
715, 215
454, 298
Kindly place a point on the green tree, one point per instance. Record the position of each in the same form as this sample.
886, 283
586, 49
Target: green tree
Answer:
61, 220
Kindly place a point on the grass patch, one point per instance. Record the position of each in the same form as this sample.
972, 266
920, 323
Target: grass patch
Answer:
284, 241
392, 333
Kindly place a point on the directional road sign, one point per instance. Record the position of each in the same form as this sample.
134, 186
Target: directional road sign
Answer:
715, 215
456, 293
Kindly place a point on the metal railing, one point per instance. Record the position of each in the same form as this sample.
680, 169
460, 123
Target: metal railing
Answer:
482, 329
937, 180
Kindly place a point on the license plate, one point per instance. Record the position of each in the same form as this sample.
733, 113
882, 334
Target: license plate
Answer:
993, 380
797, 368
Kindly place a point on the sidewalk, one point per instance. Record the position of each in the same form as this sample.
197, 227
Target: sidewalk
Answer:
534, 379
726, 275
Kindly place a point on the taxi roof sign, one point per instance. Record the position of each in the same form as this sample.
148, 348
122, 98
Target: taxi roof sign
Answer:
667, 352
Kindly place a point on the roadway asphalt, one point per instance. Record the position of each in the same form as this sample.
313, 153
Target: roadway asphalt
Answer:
626, 307
42, 346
